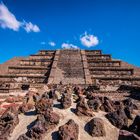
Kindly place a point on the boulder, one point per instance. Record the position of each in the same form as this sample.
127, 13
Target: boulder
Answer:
82, 108
126, 135
94, 104
37, 131
107, 105
66, 100
118, 119
44, 122
69, 131
51, 119
96, 127
43, 104
8, 121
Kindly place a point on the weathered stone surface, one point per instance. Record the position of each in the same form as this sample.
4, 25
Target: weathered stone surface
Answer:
83, 109
37, 131
94, 104
25, 108
44, 122
43, 104
69, 131
96, 127
126, 135
66, 100
118, 119
107, 105
8, 121
51, 119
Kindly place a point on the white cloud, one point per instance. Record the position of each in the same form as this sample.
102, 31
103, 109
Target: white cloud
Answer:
51, 43
29, 27
43, 43
8, 20
69, 46
89, 40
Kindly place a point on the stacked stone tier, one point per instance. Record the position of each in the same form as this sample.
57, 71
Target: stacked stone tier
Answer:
111, 71
93, 52
104, 63
99, 57
28, 70
32, 70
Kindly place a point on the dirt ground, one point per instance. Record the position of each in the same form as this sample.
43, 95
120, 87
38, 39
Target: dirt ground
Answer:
26, 121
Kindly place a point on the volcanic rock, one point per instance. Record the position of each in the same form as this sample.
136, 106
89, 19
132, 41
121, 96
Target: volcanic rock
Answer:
8, 121
118, 118
94, 104
96, 127
43, 104
37, 131
51, 119
66, 100
69, 131
44, 122
83, 109
107, 105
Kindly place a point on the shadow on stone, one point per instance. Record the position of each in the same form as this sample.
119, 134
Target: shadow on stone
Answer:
31, 124
73, 110
86, 127
59, 106
55, 135
30, 113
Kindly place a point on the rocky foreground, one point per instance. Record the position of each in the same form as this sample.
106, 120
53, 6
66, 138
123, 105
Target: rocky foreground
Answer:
71, 113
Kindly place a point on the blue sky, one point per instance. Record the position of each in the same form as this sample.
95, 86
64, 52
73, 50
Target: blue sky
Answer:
27, 26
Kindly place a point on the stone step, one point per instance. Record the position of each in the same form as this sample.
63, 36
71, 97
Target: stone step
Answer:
46, 52
28, 70
98, 57
101, 63
35, 63
129, 78
111, 71
93, 52
23, 78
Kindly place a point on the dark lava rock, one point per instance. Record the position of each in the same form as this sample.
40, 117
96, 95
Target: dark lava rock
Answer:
126, 135
37, 131
66, 100
94, 104
118, 119
8, 121
135, 127
96, 127
108, 105
44, 122
82, 108
51, 119
43, 104
128, 103
69, 131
